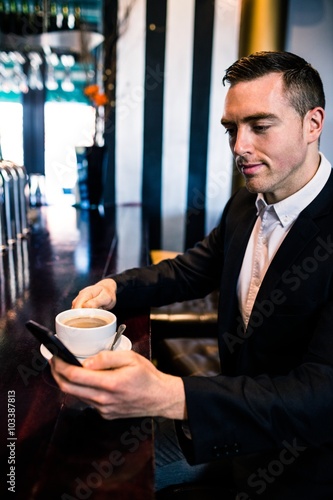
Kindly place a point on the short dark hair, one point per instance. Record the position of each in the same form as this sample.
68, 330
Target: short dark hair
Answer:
303, 84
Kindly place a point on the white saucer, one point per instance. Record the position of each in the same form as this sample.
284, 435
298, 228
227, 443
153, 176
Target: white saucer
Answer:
123, 345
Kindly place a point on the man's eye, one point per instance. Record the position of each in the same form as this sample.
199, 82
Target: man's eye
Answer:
230, 131
259, 129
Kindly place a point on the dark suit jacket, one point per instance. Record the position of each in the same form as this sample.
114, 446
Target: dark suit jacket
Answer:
270, 413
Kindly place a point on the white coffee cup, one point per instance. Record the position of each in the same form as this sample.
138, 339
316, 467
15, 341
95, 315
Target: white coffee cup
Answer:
86, 331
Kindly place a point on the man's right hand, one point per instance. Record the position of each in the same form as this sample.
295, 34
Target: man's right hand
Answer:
101, 295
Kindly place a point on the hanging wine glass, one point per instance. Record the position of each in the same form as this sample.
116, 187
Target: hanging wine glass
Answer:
68, 62
5, 80
52, 61
35, 79
19, 79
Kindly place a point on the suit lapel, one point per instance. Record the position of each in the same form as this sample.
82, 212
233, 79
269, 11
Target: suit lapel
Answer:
233, 262
302, 232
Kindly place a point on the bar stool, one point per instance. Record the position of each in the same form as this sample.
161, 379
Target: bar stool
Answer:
3, 233
17, 230
23, 200
14, 193
9, 204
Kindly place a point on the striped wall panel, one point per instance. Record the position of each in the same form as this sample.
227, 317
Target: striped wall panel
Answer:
169, 152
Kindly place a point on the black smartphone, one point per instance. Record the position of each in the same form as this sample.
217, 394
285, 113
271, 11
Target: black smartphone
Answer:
51, 342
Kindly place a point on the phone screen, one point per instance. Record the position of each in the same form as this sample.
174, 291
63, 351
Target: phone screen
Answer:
51, 342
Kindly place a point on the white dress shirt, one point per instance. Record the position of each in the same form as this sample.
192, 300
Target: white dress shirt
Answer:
272, 226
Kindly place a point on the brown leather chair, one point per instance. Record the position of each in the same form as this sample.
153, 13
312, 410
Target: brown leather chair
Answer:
190, 356
184, 333
195, 491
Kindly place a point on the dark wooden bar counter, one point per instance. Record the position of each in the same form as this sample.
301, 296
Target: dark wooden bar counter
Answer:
52, 445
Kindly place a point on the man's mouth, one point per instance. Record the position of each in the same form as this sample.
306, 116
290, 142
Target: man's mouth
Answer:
250, 168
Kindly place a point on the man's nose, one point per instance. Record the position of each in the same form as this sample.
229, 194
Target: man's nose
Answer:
242, 142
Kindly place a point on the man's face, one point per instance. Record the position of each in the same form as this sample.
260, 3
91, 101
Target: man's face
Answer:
269, 140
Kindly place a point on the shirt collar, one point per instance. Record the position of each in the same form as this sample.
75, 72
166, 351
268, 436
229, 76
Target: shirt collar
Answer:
289, 209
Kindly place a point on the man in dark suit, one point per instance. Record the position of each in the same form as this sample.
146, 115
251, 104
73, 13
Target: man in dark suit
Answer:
268, 416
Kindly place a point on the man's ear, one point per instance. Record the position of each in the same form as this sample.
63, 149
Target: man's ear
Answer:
314, 121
